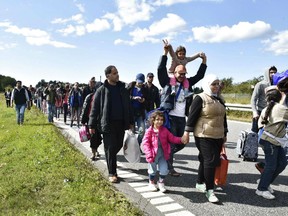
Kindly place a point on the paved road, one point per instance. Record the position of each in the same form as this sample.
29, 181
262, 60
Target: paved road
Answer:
237, 197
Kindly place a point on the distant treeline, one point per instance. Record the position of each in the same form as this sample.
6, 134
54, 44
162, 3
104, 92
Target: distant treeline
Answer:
229, 87
6, 82
242, 87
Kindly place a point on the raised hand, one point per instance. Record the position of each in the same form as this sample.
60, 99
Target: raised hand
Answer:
166, 46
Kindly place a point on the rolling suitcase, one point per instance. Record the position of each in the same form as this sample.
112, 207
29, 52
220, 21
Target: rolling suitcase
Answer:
247, 145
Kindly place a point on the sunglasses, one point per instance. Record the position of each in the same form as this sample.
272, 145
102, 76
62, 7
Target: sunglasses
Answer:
182, 74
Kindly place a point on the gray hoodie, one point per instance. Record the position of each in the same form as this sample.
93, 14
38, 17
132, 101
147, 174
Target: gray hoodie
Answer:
258, 101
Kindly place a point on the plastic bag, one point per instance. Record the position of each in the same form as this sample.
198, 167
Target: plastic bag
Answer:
84, 133
222, 170
131, 149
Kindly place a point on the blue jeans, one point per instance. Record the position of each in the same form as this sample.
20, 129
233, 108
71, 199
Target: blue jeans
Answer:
177, 126
39, 103
51, 111
161, 162
20, 110
275, 163
141, 128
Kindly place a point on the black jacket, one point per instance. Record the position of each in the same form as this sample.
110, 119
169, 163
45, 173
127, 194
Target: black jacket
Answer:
87, 90
152, 98
144, 93
86, 108
100, 112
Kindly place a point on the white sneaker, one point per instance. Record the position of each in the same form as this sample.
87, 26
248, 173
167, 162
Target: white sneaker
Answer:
265, 194
270, 189
152, 186
211, 196
161, 187
201, 187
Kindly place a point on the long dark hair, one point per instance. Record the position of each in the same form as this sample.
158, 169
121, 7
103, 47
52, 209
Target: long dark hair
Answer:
272, 96
180, 48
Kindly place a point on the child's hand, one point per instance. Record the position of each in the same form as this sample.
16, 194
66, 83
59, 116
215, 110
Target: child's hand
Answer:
185, 138
150, 160
201, 54
203, 57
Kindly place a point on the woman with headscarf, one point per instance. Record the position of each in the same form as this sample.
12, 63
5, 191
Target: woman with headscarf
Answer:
207, 120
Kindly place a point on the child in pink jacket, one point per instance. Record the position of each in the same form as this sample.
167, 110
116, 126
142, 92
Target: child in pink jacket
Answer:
156, 145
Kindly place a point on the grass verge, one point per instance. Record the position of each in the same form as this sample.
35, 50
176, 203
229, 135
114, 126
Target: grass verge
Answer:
236, 115
42, 174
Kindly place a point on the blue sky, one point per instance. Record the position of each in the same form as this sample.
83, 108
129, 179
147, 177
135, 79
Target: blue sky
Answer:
73, 40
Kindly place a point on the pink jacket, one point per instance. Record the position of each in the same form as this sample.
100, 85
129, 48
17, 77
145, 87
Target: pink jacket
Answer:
150, 142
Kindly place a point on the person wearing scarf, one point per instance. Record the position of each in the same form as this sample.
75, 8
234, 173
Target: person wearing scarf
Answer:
207, 120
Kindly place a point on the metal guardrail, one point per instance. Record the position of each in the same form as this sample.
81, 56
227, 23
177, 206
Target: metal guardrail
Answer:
240, 107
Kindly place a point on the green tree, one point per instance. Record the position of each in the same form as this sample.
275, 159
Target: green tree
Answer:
228, 85
6, 81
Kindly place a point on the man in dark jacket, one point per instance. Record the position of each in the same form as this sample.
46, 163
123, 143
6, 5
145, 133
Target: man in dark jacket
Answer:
152, 98
177, 105
21, 99
91, 88
111, 113
138, 99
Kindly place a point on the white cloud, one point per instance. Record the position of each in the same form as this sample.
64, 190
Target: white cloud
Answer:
172, 2
171, 25
5, 24
117, 22
35, 37
4, 46
129, 13
98, 25
278, 44
80, 30
68, 30
80, 7
78, 18
241, 31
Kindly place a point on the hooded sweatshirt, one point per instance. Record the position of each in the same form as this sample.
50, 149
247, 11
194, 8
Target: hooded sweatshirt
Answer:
258, 101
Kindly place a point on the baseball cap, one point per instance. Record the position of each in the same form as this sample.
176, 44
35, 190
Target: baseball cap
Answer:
140, 78
150, 75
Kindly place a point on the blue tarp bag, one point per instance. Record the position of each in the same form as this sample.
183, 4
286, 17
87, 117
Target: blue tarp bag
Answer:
277, 77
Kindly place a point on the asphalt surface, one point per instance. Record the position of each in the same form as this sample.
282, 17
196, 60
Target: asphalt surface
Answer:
236, 198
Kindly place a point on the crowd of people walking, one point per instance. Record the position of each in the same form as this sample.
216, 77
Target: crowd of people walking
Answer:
111, 107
